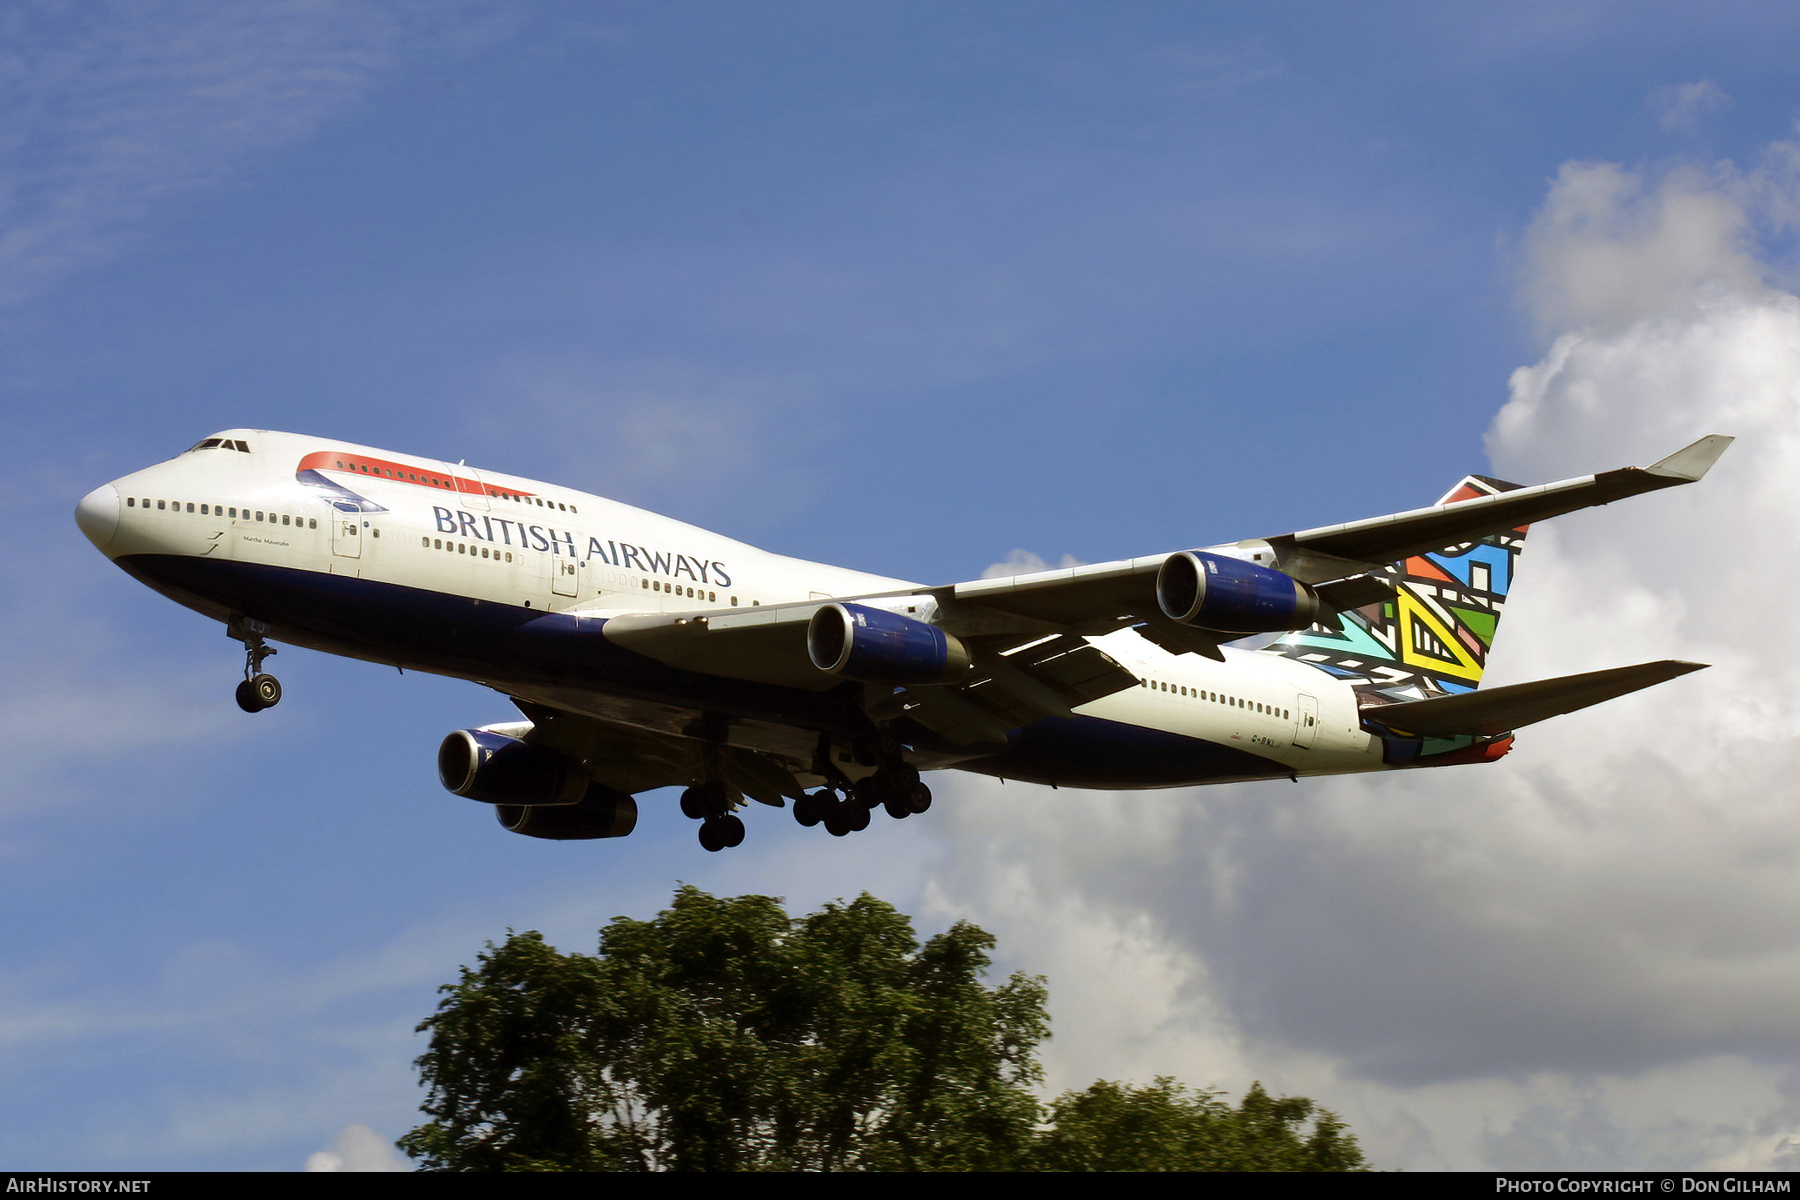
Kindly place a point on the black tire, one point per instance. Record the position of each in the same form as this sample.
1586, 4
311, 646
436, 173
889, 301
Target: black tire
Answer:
920, 800
898, 807
856, 817
837, 821
731, 827
809, 809
267, 689
246, 698
870, 792
690, 804
712, 838
712, 798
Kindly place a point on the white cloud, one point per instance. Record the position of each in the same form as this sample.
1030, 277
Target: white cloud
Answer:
668, 435
1681, 107
1580, 956
111, 110
357, 1148
1607, 250
1024, 562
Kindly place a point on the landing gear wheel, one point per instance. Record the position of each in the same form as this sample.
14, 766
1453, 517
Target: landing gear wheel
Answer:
920, 799
837, 820
705, 800
856, 816
731, 828
898, 807
246, 697
712, 838
811, 807
267, 689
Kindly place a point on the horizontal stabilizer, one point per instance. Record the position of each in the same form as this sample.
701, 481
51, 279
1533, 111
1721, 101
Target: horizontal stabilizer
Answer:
1503, 709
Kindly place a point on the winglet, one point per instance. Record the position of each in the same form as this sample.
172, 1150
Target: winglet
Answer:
1691, 463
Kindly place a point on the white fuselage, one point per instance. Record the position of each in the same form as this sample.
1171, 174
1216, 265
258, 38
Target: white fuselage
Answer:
288, 508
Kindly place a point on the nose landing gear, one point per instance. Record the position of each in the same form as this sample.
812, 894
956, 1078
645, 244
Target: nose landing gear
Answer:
258, 691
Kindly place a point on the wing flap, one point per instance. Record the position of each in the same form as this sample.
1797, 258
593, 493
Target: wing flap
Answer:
1492, 711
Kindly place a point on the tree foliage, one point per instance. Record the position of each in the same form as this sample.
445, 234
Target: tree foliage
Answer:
725, 1035
1166, 1127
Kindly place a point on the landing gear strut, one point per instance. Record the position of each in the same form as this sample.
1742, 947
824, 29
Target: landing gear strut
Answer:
258, 691
710, 804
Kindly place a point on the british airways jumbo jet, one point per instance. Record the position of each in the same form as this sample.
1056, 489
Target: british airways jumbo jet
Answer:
645, 653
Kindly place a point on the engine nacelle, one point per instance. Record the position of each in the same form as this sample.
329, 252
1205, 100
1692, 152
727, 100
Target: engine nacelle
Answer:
534, 790
1212, 591
497, 769
602, 813
859, 642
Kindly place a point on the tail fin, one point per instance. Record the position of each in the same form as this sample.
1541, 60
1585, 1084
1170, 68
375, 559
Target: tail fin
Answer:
1432, 637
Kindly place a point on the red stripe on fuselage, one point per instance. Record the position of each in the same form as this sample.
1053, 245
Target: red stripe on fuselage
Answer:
382, 468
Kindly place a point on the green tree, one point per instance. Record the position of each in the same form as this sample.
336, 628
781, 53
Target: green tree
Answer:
724, 1035
1164, 1126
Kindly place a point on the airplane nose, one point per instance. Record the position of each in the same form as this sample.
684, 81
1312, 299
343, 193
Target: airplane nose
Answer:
98, 514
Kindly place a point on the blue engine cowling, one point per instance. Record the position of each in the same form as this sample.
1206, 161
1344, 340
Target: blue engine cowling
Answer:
1212, 591
859, 642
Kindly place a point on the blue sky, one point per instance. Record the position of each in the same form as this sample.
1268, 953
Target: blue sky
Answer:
908, 288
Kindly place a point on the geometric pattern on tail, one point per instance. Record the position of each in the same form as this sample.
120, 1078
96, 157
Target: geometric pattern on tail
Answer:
1433, 637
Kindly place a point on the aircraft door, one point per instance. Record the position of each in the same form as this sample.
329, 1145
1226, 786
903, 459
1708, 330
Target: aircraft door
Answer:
1306, 720
562, 575
346, 534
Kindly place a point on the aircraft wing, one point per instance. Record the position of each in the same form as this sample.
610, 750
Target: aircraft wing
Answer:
1334, 551
1492, 711
1026, 633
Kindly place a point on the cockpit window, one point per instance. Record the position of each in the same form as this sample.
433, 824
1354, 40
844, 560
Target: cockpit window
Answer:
218, 444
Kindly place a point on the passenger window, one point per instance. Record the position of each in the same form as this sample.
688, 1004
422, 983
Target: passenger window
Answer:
284, 518
131, 502
161, 504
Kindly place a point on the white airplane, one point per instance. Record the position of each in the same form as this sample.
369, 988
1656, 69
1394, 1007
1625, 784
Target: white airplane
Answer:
645, 653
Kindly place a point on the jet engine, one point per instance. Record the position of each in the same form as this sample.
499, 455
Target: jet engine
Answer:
535, 791
602, 813
868, 644
1214, 592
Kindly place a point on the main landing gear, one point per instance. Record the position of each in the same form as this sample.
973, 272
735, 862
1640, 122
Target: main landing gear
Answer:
710, 804
844, 807
258, 691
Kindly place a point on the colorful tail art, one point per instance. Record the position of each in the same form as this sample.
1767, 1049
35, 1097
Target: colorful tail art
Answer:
1433, 638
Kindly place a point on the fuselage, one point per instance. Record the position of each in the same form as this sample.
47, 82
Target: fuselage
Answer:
508, 582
